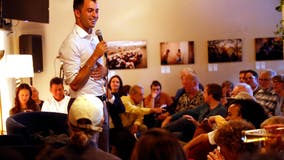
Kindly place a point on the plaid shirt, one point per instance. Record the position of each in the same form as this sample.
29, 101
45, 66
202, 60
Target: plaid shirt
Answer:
268, 100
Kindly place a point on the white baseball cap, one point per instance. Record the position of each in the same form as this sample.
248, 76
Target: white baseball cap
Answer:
87, 107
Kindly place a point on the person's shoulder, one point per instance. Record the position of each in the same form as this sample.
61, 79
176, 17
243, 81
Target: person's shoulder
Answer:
180, 92
105, 155
125, 98
71, 39
148, 97
67, 98
48, 101
165, 94
221, 107
202, 106
200, 93
57, 153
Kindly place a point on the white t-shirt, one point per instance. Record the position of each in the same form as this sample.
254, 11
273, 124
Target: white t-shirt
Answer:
51, 105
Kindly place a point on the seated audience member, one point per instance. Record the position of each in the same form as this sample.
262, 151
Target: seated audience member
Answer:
238, 109
227, 88
229, 139
186, 122
189, 96
251, 77
263, 156
244, 108
23, 100
278, 88
156, 99
158, 144
114, 104
241, 87
121, 140
242, 78
125, 89
276, 143
240, 91
59, 101
265, 95
9, 153
85, 120
35, 97
132, 118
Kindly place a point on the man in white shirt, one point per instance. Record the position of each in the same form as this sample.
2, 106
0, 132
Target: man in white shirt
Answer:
58, 102
82, 56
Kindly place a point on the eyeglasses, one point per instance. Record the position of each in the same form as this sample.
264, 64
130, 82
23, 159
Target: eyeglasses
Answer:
264, 79
276, 82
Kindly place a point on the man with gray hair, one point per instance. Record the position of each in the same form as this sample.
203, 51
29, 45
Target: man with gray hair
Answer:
242, 88
190, 95
265, 96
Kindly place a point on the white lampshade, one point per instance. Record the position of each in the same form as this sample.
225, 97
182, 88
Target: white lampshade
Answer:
19, 66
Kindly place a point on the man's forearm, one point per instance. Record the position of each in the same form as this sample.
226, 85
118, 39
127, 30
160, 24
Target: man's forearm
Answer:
83, 75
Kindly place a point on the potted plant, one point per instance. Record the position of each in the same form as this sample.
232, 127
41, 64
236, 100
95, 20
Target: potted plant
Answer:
279, 27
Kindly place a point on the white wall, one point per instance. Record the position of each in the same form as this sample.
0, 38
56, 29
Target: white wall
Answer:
159, 21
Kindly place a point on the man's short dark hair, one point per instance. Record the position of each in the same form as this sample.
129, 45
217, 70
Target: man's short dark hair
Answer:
77, 4
242, 71
215, 90
254, 73
56, 80
156, 83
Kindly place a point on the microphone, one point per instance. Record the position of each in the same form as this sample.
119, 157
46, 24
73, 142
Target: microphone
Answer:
100, 37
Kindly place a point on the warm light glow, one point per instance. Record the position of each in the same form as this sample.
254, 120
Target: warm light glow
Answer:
19, 66
5, 94
2, 52
2, 41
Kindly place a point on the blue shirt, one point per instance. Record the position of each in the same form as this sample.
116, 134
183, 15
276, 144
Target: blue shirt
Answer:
201, 112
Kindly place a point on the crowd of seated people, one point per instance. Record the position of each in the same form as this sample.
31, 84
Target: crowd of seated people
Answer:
200, 119
127, 58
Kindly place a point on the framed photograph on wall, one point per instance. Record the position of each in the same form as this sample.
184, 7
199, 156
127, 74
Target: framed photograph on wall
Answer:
127, 54
173, 53
228, 50
268, 48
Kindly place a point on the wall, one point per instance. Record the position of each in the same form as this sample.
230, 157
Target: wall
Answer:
6, 87
158, 21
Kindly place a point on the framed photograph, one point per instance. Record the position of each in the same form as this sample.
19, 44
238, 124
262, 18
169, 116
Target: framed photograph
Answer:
127, 54
177, 52
228, 50
268, 48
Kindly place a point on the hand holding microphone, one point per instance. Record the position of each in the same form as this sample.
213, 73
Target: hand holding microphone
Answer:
101, 39
100, 48
100, 71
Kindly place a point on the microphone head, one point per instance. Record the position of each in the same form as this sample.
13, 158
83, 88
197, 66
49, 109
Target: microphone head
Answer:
98, 32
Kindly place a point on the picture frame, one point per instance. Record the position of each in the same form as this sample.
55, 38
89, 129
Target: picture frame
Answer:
176, 53
269, 48
227, 50
127, 54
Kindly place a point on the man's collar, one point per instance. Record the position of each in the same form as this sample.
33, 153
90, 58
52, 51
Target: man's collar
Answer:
81, 32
